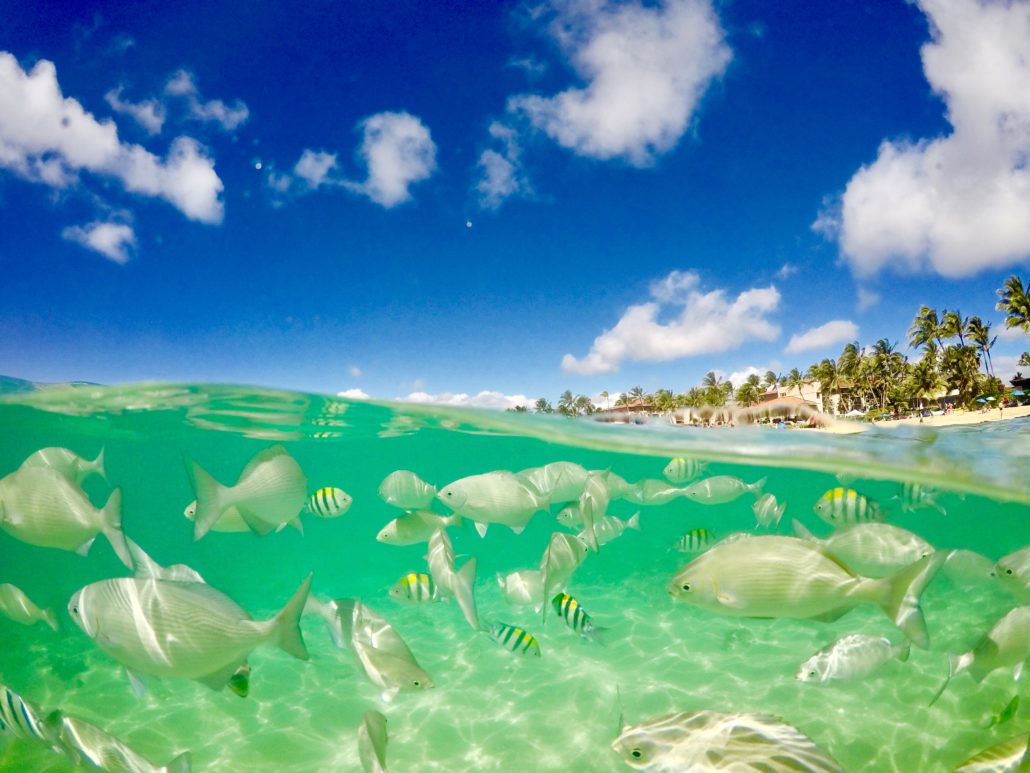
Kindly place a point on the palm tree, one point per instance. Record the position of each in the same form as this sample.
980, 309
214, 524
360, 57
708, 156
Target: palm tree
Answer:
953, 326
979, 333
1014, 300
924, 380
961, 370
828, 374
1024, 359
567, 403
692, 398
925, 327
583, 405
542, 406
664, 401
748, 393
637, 393
604, 396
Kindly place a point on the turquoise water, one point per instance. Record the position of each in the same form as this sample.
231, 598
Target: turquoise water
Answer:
489, 709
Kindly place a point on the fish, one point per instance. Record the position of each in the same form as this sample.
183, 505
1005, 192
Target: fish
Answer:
1013, 573
185, 630
843, 506
415, 527
89, 746
773, 576
651, 493
328, 502
575, 617
695, 541
854, 656
493, 497
381, 653
562, 557
372, 740
269, 493
1006, 714
1005, 645
871, 549
229, 521
40, 506
680, 470
593, 503
515, 639
768, 511
458, 584
618, 487
19, 607
712, 740
416, 587
523, 588
144, 566
404, 489
916, 496
68, 463
557, 481
19, 717
1009, 756
570, 517
720, 489
609, 527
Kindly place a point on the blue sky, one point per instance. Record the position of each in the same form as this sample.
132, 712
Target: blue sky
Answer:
447, 198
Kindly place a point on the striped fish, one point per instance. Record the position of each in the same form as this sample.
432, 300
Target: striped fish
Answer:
840, 506
19, 717
416, 587
680, 470
515, 639
573, 614
695, 541
328, 502
916, 496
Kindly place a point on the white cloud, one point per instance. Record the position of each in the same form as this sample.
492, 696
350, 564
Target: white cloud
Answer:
354, 371
501, 174
112, 240
956, 204
49, 139
703, 323
786, 271
866, 298
150, 114
1006, 366
353, 394
314, 167
1009, 333
484, 399
738, 377
834, 332
228, 117
645, 67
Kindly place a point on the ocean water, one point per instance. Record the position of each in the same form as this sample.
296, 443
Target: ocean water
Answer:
490, 709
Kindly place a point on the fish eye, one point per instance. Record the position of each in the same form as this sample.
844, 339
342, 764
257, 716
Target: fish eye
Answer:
1008, 572
416, 683
685, 586
811, 673
636, 754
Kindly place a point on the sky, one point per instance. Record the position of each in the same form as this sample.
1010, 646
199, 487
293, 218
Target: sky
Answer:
485, 203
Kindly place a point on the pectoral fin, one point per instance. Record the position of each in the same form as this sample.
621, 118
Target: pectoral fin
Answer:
481, 528
138, 685
218, 679
255, 524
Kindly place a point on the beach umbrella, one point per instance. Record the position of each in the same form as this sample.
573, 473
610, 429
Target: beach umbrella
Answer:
1017, 393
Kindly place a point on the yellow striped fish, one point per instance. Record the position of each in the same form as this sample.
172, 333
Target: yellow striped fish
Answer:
574, 615
842, 506
20, 717
328, 502
515, 639
695, 540
417, 587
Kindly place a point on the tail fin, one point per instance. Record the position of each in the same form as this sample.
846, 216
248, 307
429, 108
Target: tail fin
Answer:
956, 663
464, 592
801, 532
181, 764
901, 599
209, 499
111, 517
587, 509
50, 618
756, 487
633, 522
329, 612
97, 465
287, 623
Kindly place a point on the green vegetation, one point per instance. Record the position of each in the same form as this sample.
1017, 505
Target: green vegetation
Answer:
874, 378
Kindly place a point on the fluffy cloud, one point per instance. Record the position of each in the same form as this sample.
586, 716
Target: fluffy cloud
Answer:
353, 393
738, 377
47, 138
484, 399
500, 173
701, 323
1008, 333
150, 114
112, 240
786, 271
228, 117
834, 332
956, 204
645, 69
396, 148
354, 371
866, 298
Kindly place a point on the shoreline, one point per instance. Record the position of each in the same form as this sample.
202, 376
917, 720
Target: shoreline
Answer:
957, 418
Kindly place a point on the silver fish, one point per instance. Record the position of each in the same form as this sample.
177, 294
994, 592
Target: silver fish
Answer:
40, 506
372, 740
772, 576
381, 653
269, 494
181, 629
720, 489
651, 493
523, 588
457, 584
711, 740
562, 557
415, 527
1013, 572
609, 528
89, 746
68, 463
404, 489
768, 511
19, 607
229, 521
493, 497
557, 481
871, 549
854, 656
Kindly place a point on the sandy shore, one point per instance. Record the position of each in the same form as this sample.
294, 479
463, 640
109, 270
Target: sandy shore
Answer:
845, 426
